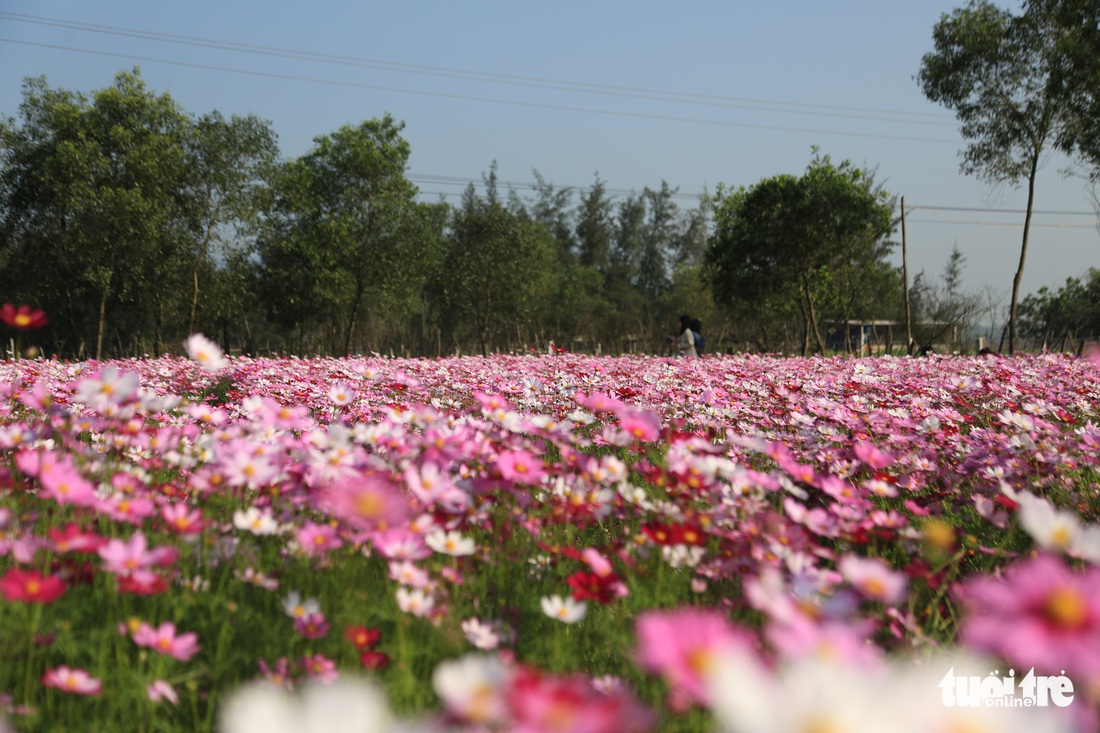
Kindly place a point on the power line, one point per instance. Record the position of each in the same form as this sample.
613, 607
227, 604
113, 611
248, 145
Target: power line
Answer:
469, 98
915, 207
497, 78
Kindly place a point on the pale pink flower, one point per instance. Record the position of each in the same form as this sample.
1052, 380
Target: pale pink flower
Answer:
204, 351
318, 539
1061, 531
108, 390
158, 690
871, 456
480, 634
73, 681
406, 573
341, 394
399, 543
874, 579
320, 668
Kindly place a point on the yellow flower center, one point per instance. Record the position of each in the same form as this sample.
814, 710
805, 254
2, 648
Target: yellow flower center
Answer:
1066, 608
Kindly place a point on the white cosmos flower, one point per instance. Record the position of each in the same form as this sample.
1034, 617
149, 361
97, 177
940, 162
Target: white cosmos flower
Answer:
345, 705
450, 543
207, 353
565, 610
414, 601
255, 521
472, 687
1058, 530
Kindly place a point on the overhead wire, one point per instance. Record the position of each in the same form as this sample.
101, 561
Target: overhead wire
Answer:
497, 78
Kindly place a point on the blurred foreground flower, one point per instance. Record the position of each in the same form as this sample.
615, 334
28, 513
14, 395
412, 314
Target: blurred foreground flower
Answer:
1041, 614
819, 695
22, 317
207, 353
75, 681
345, 705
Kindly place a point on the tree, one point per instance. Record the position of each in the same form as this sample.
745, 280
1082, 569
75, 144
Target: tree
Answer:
785, 243
997, 71
1075, 73
232, 159
94, 208
499, 266
342, 230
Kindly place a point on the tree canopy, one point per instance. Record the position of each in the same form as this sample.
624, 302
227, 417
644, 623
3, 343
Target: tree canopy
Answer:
803, 247
1003, 76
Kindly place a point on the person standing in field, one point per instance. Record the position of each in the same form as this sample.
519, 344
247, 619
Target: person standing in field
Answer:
686, 341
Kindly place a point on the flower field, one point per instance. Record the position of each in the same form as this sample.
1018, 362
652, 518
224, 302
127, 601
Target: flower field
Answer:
552, 543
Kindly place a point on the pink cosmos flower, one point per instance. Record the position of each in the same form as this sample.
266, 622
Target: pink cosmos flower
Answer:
73, 681
318, 539
320, 668
399, 543
311, 625
74, 539
182, 519
62, 482
128, 558
1041, 615
110, 389
683, 646
163, 639
871, 456
520, 466
874, 579
640, 424
539, 703
158, 690
367, 501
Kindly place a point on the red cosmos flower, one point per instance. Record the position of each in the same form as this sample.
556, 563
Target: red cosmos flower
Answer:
149, 584
362, 637
601, 588
674, 534
373, 659
22, 317
19, 585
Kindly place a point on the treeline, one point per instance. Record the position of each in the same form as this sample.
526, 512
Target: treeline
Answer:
133, 223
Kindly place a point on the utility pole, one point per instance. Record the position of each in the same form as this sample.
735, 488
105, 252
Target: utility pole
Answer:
905, 277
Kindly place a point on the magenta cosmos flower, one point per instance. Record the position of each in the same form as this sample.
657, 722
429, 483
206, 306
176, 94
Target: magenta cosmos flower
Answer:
1041, 615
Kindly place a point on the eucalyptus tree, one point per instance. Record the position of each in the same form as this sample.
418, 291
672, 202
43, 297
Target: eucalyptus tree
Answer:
1001, 75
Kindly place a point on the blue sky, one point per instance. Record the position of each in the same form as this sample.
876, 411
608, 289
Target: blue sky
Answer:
693, 93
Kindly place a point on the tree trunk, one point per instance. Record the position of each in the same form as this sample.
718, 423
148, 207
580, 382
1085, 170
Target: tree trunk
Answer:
101, 325
1023, 253
813, 315
354, 321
